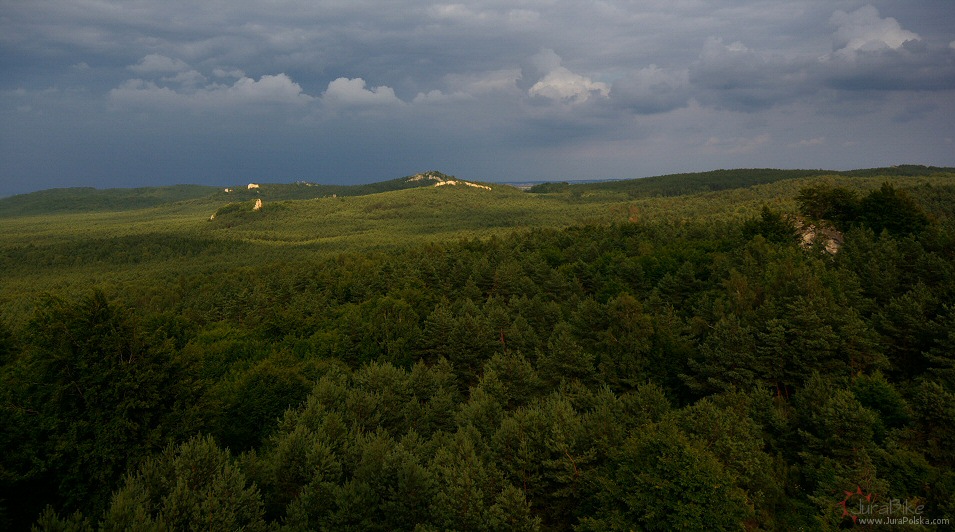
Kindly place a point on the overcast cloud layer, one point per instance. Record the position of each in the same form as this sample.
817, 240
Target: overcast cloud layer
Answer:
140, 92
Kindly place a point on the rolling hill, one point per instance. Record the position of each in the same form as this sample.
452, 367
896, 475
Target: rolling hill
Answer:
715, 180
88, 199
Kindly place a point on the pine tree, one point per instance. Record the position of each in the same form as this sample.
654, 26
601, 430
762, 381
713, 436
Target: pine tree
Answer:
563, 359
195, 486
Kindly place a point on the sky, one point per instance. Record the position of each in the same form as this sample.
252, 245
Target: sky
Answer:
130, 93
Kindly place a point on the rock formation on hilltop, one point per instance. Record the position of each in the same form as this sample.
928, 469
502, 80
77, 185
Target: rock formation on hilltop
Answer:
441, 180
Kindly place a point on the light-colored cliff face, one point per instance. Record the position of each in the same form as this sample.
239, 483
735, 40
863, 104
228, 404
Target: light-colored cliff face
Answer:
829, 237
457, 182
442, 180
258, 205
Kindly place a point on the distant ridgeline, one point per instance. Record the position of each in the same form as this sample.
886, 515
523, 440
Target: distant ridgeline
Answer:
88, 199
691, 183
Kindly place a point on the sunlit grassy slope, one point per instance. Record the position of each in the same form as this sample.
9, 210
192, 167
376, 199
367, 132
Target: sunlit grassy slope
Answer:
87, 199
45, 246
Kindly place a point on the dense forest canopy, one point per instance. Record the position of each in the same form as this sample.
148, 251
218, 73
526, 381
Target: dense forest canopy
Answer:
769, 355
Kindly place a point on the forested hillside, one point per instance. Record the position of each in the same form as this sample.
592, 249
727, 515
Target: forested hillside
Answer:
82, 200
778, 356
693, 183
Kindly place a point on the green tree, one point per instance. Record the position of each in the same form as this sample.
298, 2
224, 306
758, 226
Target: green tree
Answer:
462, 335
837, 446
50, 521
772, 225
726, 360
8, 346
876, 393
723, 423
942, 355
194, 486
892, 210
542, 449
511, 512
627, 340
910, 329
564, 359
520, 382
825, 202
663, 480
99, 399
465, 485
259, 398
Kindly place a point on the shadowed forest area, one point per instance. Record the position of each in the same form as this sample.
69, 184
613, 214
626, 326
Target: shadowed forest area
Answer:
749, 353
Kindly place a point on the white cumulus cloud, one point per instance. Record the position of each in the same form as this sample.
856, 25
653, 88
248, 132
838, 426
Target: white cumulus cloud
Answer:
345, 91
559, 83
562, 84
864, 30
278, 88
268, 89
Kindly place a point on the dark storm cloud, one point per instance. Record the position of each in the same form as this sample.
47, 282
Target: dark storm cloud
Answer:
869, 53
913, 66
96, 92
653, 90
733, 76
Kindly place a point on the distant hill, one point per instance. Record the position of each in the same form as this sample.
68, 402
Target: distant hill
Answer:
715, 180
88, 199
306, 190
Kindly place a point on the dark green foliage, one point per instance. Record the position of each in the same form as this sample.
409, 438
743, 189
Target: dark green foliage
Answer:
258, 399
909, 330
677, 184
49, 521
563, 359
726, 360
836, 436
825, 202
886, 209
772, 226
942, 356
90, 199
673, 185
726, 424
934, 413
462, 335
877, 394
890, 209
8, 349
663, 480
549, 188
98, 399
194, 486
